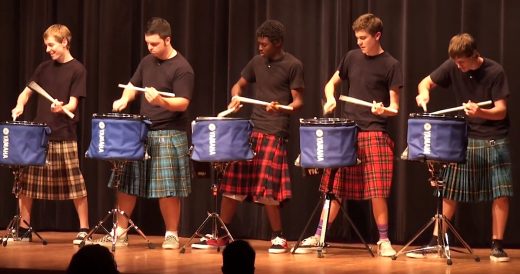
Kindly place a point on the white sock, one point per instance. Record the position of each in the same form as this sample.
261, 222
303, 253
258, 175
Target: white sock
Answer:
120, 231
170, 233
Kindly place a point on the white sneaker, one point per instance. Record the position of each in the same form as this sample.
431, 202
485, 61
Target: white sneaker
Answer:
79, 238
384, 248
171, 242
203, 243
308, 245
107, 241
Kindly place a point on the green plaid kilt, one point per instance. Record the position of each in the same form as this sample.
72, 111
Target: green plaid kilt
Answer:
485, 176
59, 179
165, 174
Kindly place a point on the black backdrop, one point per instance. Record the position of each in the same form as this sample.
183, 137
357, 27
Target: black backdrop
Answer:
217, 37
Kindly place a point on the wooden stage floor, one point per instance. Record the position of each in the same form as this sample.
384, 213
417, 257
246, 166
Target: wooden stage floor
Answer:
34, 257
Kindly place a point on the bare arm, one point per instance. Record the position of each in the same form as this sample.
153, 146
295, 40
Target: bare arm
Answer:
329, 89
423, 89
22, 100
498, 112
127, 96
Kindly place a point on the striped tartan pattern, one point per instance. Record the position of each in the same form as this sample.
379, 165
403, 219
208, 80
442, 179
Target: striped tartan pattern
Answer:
372, 178
166, 173
59, 179
266, 175
485, 176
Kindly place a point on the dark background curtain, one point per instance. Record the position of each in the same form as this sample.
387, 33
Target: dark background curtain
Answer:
218, 38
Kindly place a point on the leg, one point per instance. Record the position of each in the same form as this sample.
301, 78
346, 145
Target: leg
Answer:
81, 205
25, 210
499, 212
273, 213
125, 203
171, 211
380, 211
228, 208
448, 210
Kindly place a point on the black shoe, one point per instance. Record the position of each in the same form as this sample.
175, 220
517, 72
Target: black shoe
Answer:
498, 255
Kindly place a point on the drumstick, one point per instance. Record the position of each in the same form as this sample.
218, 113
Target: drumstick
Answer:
162, 93
227, 111
258, 102
34, 86
485, 103
355, 101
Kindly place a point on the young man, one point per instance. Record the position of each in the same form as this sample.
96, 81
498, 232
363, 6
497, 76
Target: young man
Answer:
373, 75
166, 175
486, 175
64, 78
278, 79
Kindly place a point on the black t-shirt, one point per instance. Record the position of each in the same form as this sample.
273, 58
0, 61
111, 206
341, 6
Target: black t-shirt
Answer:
488, 82
274, 81
369, 78
61, 81
171, 75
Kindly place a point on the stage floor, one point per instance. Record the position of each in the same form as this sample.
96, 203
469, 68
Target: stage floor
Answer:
34, 257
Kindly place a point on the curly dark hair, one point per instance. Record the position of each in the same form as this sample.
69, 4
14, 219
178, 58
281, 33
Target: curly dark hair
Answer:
273, 30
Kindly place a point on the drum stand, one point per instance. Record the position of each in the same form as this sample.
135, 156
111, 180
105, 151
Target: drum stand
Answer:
327, 199
213, 217
13, 228
117, 171
439, 220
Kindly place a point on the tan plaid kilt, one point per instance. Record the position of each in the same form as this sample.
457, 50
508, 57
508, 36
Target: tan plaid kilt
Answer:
59, 179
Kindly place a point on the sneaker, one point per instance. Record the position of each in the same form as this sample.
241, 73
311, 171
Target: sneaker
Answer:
498, 255
384, 248
107, 241
171, 242
203, 243
79, 238
220, 242
308, 245
23, 235
278, 245
425, 251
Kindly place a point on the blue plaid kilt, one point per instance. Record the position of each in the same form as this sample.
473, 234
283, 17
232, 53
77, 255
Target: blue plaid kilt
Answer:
165, 174
266, 175
59, 179
485, 176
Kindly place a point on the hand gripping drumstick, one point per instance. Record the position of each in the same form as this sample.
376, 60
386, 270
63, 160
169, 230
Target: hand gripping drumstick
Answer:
485, 103
32, 85
258, 102
355, 101
162, 93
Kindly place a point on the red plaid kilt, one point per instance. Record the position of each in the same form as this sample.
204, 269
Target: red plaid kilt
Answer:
266, 175
372, 178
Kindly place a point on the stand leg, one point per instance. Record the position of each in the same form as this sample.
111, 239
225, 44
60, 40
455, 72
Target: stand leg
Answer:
213, 217
327, 200
443, 243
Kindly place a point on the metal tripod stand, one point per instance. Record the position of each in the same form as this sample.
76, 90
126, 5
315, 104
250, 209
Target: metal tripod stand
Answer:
13, 228
441, 222
327, 199
114, 213
213, 217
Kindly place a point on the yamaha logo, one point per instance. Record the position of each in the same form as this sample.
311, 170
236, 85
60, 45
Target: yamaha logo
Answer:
5, 143
427, 148
212, 139
320, 154
101, 146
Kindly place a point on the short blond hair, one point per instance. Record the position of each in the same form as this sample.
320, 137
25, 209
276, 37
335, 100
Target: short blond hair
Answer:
59, 32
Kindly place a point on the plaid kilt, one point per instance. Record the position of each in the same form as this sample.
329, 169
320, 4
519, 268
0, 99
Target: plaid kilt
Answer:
485, 176
266, 175
165, 174
59, 179
372, 178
